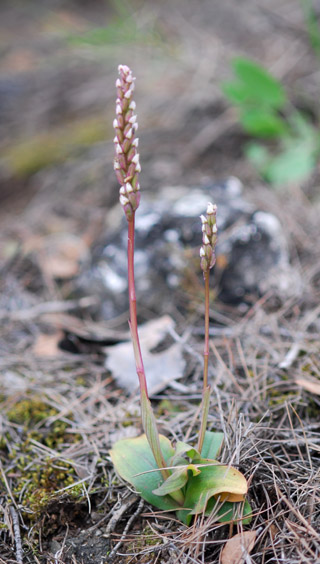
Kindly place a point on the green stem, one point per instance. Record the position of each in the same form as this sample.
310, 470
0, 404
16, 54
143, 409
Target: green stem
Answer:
206, 388
148, 419
206, 276
204, 417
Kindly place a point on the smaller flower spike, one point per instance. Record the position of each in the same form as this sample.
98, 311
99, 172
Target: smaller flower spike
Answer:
209, 238
126, 161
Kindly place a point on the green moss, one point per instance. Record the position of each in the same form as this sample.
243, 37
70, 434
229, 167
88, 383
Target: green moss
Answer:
30, 411
37, 483
30, 155
3, 442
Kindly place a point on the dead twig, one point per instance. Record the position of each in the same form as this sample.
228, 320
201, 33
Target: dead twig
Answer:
17, 535
126, 529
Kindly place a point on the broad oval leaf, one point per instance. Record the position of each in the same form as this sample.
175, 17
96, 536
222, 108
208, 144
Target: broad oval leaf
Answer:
135, 463
261, 86
262, 123
213, 480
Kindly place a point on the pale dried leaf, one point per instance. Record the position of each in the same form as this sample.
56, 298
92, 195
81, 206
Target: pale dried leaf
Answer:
238, 547
47, 345
161, 368
312, 385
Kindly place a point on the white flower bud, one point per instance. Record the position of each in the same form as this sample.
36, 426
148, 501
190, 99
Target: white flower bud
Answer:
115, 123
206, 239
129, 134
118, 83
128, 94
123, 200
129, 188
135, 159
116, 165
132, 105
202, 252
123, 68
135, 142
119, 150
211, 209
133, 119
118, 109
138, 168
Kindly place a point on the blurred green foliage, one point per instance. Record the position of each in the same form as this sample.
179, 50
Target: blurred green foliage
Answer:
312, 25
123, 28
265, 112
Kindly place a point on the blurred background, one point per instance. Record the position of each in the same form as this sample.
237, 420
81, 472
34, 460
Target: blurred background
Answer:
223, 89
59, 63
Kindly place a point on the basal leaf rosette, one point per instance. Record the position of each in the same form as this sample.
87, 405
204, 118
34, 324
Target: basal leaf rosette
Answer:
204, 484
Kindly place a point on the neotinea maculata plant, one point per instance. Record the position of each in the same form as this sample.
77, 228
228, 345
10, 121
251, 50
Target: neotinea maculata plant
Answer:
182, 478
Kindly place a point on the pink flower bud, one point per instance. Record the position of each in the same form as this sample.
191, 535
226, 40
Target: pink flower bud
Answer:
127, 165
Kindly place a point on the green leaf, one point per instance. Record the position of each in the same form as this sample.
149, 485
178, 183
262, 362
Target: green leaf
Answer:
236, 92
213, 480
150, 428
212, 444
258, 155
292, 165
181, 450
260, 85
263, 123
226, 512
230, 511
132, 458
176, 481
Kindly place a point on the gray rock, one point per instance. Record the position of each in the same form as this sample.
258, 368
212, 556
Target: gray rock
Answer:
251, 244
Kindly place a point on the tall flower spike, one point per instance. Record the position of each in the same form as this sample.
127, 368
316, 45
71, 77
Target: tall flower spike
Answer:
209, 238
207, 260
126, 161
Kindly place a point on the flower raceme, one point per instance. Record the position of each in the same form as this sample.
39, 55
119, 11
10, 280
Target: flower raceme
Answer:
209, 238
126, 161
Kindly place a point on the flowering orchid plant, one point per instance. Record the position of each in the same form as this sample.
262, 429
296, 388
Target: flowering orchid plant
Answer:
182, 478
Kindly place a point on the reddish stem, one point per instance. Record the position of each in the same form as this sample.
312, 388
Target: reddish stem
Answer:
133, 309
